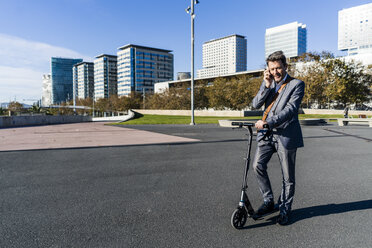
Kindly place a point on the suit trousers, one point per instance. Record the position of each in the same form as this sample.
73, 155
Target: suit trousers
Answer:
287, 159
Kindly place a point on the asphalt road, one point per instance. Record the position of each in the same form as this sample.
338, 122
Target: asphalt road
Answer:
182, 195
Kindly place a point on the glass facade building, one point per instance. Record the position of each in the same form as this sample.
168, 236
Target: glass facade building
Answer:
84, 80
62, 79
139, 68
224, 56
290, 38
355, 29
105, 76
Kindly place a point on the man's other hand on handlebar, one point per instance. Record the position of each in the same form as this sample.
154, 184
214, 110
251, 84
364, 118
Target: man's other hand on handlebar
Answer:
260, 124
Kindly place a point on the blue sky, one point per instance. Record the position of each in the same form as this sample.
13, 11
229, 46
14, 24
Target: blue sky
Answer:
32, 31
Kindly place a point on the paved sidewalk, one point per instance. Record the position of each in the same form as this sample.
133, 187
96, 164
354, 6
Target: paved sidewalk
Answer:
79, 135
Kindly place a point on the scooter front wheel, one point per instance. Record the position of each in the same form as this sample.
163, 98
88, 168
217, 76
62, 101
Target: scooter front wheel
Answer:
239, 217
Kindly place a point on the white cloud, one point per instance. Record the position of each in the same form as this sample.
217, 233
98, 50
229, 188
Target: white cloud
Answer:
22, 64
19, 83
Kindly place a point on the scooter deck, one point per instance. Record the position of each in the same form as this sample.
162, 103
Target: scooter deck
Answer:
259, 216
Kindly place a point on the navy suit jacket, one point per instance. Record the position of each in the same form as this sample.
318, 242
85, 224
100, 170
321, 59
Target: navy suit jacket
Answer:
284, 113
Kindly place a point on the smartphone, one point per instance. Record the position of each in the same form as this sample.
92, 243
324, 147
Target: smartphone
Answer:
271, 76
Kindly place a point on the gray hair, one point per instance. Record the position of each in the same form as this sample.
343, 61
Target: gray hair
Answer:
277, 56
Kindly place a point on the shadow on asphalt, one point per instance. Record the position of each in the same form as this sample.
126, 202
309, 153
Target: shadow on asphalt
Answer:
316, 211
160, 144
131, 145
346, 134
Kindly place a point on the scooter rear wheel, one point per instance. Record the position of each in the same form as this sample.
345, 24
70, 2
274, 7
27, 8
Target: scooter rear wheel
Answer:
239, 217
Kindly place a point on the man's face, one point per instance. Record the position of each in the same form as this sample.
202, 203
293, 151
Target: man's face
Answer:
277, 70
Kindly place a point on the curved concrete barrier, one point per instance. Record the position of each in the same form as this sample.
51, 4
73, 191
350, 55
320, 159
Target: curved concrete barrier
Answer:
129, 116
313, 122
120, 118
34, 120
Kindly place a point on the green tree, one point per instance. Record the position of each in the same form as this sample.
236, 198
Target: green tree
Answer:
217, 94
102, 105
312, 73
347, 81
331, 79
236, 93
124, 103
313, 57
87, 102
177, 97
15, 106
35, 109
65, 109
248, 89
201, 100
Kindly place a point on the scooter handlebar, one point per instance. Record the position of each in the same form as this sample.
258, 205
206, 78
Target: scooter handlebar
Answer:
241, 124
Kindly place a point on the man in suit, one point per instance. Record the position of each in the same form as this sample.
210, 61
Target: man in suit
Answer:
282, 95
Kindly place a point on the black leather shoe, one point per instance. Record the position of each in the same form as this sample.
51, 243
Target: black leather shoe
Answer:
266, 208
283, 219
276, 207
278, 204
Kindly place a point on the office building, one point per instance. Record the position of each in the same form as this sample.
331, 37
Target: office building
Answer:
290, 38
62, 79
163, 86
46, 97
140, 67
83, 80
224, 56
355, 29
105, 76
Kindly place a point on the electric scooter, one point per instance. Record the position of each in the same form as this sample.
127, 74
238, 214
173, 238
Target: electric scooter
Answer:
245, 209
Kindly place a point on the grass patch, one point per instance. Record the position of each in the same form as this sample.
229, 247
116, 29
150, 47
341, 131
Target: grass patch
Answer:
332, 118
178, 119
304, 116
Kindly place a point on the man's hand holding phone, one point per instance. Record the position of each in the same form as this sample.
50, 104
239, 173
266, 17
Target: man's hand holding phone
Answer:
268, 78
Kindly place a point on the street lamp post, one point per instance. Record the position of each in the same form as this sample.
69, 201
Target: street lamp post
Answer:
74, 95
93, 108
190, 10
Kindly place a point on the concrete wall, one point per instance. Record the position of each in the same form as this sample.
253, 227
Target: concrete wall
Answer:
188, 112
237, 113
334, 112
19, 121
